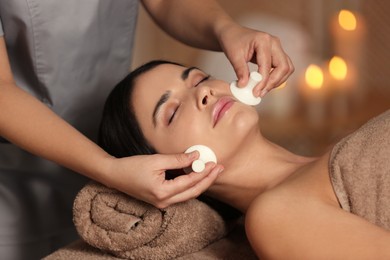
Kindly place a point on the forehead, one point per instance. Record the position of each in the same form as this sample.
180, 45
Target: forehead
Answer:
151, 85
158, 77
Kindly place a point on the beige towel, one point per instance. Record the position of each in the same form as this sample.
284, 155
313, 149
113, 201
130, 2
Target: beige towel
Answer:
232, 247
360, 171
129, 228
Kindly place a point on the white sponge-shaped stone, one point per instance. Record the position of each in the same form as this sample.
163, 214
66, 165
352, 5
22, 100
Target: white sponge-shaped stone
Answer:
205, 155
245, 94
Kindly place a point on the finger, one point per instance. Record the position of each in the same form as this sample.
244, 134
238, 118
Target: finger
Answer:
291, 66
279, 74
291, 70
264, 59
167, 189
281, 64
241, 68
197, 188
184, 182
176, 161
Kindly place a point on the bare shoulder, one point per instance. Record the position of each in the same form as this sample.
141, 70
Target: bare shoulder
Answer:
283, 223
270, 222
273, 214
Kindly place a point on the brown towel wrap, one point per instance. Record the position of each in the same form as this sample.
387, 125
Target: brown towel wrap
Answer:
360, 171
129, 228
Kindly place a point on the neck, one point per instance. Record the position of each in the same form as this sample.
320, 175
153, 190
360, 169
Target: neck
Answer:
259, 165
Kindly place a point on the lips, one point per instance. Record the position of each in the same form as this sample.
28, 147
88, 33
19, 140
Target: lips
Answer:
220, 108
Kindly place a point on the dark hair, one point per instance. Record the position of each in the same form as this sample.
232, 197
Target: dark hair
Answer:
119, 133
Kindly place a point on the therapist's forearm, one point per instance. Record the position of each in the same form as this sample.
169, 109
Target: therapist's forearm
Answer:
32, 126
195, 22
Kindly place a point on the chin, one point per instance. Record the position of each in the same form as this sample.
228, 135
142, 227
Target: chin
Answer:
245, 122
243, 126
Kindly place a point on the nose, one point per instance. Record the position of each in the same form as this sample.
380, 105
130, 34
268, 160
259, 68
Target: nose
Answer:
204, 95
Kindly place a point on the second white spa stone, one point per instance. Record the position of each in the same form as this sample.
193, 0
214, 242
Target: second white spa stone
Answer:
245, 94
205, 155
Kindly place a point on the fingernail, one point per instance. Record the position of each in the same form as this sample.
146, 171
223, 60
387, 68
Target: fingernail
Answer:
212, 165
220, 170
263, 92
192, 155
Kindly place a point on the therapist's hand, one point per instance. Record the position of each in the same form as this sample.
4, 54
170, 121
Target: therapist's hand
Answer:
143, 177
242, 45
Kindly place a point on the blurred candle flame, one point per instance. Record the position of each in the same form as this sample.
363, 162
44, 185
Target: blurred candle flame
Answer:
338, 68
347, 20
314, 76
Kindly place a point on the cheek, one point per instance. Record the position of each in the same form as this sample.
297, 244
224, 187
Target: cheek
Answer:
178, 138
244, 122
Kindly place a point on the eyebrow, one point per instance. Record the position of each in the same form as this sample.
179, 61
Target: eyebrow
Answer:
186, 72
164, 97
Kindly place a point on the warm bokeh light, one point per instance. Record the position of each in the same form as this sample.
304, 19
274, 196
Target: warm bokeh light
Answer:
347, 20
282, 85
314, 76
338, 68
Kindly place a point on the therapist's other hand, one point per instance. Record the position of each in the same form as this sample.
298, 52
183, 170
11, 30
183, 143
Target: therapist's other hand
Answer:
242, 45
143, 177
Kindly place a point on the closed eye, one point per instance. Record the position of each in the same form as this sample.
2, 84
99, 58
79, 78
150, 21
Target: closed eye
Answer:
173, 115
202, 80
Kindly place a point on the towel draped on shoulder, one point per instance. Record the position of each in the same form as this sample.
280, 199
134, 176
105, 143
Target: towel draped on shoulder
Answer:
360, 171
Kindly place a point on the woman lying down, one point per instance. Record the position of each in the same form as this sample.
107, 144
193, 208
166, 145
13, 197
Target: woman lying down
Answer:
331, 207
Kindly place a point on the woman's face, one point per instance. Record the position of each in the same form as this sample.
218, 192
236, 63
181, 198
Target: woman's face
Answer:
178, 107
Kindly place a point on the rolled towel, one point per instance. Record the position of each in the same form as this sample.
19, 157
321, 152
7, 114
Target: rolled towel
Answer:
128, 228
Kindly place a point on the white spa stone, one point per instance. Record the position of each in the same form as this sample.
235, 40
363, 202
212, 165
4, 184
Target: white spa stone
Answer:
205, 155
198, 166
245, 94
